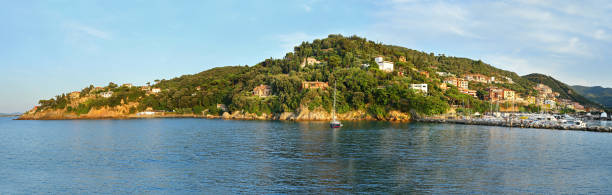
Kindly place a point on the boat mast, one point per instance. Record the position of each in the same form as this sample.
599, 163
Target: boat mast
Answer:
334, 108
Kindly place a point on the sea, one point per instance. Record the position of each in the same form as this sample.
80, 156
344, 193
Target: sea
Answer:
211, 156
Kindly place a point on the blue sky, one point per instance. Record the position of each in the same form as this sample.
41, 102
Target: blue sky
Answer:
52, 47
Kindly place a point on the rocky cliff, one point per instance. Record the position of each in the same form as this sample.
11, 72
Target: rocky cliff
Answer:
123, 112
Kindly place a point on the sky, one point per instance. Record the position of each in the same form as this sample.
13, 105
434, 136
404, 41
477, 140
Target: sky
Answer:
53, 47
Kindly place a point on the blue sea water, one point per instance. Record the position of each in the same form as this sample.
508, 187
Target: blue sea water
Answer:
200, 156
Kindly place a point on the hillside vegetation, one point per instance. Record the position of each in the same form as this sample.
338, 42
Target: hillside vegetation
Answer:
597, 94
347, 61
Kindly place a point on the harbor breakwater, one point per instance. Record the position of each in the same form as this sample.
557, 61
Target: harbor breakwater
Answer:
517, 124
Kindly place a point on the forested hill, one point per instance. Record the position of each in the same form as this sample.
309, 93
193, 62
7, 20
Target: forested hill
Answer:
565, 91
348, 61
597, 94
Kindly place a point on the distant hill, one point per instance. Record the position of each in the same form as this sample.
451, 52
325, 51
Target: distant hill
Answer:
597, 94
565, 91
10, 114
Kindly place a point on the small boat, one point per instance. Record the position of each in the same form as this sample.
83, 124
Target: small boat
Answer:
334, 123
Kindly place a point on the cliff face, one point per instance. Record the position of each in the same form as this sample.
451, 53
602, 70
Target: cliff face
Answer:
121, 111
318, 114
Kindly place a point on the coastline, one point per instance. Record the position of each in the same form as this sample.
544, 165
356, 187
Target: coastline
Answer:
306, 115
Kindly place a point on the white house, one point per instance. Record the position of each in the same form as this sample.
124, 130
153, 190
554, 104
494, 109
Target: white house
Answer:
419, 87
155, 90
384, 65
107, 94
550, 103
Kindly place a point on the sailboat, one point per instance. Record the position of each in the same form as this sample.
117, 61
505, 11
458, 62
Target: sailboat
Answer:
334, 123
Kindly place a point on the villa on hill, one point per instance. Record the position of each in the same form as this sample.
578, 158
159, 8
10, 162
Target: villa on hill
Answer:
384, 65
106, 94
479, 78
419, 87
262, 90
75, 94
314, 85
309, 61
458, 82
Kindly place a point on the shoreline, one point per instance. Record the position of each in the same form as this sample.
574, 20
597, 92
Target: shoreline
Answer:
424, 120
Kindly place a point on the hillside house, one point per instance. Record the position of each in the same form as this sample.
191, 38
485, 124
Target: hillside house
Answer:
222, 107
443, 86
424, 73
314, 85
543, 89
459, 83
402, 59
106, 94
509, 94
479, 78
550, 104
509, 80
419, 87
385, 66
309, 61
145, 88
97, 89
128, 85
262, 90
75, 94
470, 92
495, 94
155, 90
445, 74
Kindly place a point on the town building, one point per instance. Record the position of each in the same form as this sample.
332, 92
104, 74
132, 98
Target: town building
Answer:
155, 90
309, 61
460, 83
509, 94
106, 94
222, 107
75, 94
128, 85
262, 90
479, 78
531, 100
445, 74
443, 86
384, 65
509, 80
419, 87
550, 104
495, 94
402, 59
314, 85
470, 92
145, 88
424, 73
96, 89
543, 89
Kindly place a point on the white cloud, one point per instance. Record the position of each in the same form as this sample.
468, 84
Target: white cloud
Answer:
307, 8
513, 63
573, 46
91, 31
525, 36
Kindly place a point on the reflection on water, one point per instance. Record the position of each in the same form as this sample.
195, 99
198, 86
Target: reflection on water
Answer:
217, 156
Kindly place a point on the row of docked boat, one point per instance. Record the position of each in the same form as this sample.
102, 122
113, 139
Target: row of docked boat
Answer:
534, 120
